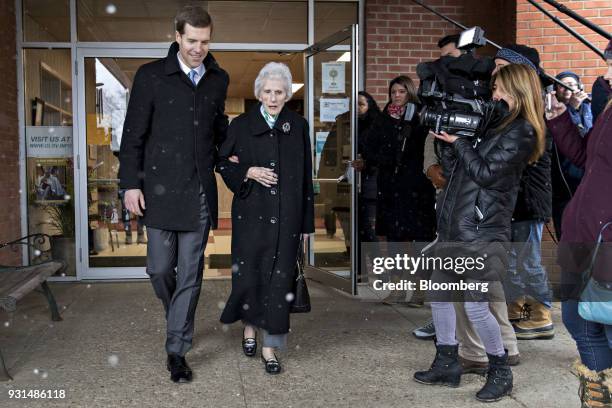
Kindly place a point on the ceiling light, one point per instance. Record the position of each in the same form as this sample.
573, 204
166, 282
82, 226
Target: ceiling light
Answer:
346, 57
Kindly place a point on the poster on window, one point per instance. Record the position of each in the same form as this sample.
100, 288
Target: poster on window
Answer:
49, 141
49, 181
320, 138
330, 108
333, 77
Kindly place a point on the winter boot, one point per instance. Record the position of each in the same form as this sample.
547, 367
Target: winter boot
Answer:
499, 379
445, 369
594, 390
539, 326
516, 311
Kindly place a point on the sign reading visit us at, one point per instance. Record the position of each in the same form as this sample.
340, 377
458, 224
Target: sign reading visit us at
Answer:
333, 77
49, 141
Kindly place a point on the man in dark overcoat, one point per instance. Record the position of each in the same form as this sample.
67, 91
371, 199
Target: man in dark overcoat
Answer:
174, 125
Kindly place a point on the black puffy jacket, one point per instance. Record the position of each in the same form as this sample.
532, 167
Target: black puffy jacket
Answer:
534, 200
483, 182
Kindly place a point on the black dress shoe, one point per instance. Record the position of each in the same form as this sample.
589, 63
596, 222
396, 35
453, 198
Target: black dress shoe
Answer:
249, 346
179, 369
272, 365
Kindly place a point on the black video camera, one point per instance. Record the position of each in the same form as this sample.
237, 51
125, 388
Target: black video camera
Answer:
455, 91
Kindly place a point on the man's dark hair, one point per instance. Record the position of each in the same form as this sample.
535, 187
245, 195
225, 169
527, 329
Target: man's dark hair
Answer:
195, 16
454, 38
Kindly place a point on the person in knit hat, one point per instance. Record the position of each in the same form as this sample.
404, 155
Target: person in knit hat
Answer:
526, 286
576, 99
517, 54
602, 88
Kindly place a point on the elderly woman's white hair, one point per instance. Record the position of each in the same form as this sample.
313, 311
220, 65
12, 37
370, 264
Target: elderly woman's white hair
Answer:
274, 70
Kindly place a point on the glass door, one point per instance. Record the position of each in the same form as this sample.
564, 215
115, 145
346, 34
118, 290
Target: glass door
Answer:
332, 72
114, 240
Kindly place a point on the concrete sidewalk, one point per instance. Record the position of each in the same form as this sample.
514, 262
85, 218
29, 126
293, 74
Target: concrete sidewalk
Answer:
108, 352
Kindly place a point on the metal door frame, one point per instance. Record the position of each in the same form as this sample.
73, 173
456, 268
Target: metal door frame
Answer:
329, 44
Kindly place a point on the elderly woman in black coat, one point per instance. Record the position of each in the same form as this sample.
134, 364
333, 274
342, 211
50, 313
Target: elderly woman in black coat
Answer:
266, 162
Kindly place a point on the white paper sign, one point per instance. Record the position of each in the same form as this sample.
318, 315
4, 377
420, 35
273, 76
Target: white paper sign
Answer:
332, 107
333, 77
49, 141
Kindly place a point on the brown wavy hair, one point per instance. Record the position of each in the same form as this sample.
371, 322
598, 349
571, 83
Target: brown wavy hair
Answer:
523, 85
408, 84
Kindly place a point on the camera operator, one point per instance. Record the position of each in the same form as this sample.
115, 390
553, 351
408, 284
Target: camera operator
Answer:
476, 208
431, 163
472, 353
526, 276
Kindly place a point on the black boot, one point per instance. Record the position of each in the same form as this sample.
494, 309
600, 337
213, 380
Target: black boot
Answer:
445, 369
499, 379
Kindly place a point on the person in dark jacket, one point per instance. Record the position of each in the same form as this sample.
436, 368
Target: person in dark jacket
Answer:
368, 113
602, 92
266, 162
527, 287
405, 207
475, 209
175, 121
585, 219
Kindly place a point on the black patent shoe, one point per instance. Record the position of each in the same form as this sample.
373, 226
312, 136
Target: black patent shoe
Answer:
249, 346
180, 371
272, 365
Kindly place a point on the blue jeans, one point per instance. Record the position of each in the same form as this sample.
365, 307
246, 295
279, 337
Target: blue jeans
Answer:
526, 276
594, 340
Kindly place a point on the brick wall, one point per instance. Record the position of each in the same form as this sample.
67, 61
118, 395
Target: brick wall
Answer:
400, 34
559, 50
9, 138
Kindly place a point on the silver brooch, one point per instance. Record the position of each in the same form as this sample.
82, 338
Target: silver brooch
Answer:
286, 127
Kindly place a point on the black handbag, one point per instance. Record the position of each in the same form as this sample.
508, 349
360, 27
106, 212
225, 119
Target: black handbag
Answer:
301, 297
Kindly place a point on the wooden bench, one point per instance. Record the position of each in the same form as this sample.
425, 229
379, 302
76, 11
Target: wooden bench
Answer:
18, 281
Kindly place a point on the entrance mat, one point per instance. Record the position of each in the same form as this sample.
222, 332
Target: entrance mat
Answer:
117, 261
220, 261
332, 260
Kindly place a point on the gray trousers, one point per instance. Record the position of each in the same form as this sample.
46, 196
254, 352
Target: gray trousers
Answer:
175, 264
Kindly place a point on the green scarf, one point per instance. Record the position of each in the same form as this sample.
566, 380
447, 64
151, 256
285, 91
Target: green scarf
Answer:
270, 119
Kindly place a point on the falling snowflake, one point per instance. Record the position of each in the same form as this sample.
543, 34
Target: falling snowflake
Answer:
113, 360
159, 189
221, 305
245, 306
44, 375
225, 327
111, 8
37, 252
235, 268
7, 324
289, 297
88, 286
67, 197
